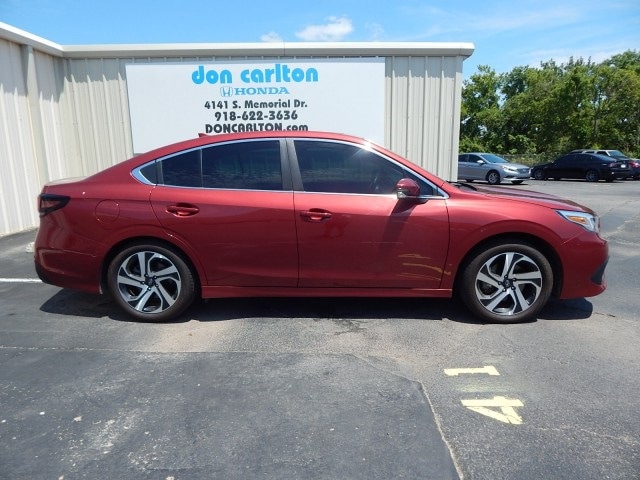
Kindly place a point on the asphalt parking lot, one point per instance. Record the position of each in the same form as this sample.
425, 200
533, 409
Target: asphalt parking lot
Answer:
324, 388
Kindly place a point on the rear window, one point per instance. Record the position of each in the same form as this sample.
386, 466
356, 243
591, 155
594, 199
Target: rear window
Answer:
182, 170
253, 165
250, 165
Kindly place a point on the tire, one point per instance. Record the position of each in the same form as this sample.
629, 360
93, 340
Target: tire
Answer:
493, 178
539, 174
506, 283
592, 176
151, 282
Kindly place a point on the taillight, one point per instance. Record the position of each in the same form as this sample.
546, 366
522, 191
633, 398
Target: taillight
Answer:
50, 202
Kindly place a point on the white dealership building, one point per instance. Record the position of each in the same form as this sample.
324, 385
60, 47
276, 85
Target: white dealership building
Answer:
69, 111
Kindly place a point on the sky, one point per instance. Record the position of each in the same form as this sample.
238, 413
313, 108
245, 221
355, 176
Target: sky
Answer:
506, 34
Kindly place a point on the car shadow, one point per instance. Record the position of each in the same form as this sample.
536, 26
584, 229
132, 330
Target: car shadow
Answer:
79, 304
575, 309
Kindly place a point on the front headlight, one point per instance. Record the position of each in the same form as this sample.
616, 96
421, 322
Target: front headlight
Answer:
510, 169
586, 220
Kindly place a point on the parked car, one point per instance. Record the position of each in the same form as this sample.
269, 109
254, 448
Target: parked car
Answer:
309, 214
490, 167
608, 153
619, 156
592, 167
634, 164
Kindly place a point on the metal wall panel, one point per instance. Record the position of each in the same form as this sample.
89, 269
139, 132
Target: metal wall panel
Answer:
95, 113
423, 111
67, 115
18, 171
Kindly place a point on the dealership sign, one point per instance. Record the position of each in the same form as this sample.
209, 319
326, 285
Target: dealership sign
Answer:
169, 102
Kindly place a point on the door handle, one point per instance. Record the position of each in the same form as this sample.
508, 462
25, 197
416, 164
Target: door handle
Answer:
315, 215
183, 210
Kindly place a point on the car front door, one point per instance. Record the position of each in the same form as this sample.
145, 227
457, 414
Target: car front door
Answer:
230, 204
571, 166
352, 229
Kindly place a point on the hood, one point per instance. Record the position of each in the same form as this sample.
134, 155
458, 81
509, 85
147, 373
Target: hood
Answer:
514, 165
529, 196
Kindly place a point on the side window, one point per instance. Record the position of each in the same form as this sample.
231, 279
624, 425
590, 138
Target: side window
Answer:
150, 172
182, 170
463, 158
243, 165
342, 168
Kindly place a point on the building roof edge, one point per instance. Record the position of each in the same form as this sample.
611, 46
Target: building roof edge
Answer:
275, 49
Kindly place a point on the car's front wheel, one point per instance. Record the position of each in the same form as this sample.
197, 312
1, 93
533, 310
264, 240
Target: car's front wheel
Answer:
506, 283
539, 174
151, 282
493, 178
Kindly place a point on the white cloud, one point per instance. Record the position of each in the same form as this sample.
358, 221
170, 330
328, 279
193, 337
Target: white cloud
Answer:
336, 29
271, 37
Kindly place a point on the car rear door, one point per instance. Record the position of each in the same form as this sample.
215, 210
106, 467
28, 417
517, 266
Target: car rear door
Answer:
230, 203
464, 170
353, 231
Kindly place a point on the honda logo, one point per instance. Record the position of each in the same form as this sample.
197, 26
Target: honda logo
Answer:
226, 91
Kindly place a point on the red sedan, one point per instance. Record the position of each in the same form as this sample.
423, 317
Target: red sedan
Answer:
309, 214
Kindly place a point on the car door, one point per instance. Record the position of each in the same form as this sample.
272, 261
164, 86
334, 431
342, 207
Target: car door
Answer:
477, 167
464, 167
354, 232
230, 203
565, 167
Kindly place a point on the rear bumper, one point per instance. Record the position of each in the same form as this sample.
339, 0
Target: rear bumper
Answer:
68, 270
67, 260
620, 174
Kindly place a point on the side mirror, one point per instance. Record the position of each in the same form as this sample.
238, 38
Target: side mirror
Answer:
407, 188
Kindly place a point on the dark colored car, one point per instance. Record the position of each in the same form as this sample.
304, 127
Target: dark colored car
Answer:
490, 167
589, 166
633, 164
309, 214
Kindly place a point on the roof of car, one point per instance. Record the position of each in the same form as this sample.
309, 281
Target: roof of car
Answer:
595, 150
590, 153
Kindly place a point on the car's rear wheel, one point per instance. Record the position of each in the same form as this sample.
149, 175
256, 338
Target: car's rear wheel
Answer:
151, 282
592, 176
506, 283
493, 178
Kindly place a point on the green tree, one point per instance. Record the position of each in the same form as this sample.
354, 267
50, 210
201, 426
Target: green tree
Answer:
480, 110
554, 108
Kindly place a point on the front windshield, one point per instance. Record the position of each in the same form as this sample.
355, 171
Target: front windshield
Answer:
494, 159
